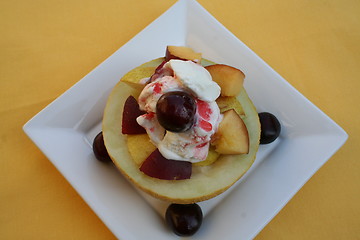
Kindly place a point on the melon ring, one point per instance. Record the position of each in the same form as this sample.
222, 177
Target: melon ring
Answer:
206, 181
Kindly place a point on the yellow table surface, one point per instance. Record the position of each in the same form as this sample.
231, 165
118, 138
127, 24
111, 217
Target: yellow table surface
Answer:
47, 46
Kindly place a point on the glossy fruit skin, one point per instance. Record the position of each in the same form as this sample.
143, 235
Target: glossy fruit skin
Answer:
99, 149
184, 219
157, 166
130, 113
270, 128
176, 111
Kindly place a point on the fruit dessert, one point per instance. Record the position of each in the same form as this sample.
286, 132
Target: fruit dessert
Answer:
182, 129
188, 115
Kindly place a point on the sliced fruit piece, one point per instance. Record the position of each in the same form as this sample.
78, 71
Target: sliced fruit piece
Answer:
182, 53
130, 113
211, 158
133, 78
232, 136
227, 103
140, 141
160, 71
230, 79
157, 166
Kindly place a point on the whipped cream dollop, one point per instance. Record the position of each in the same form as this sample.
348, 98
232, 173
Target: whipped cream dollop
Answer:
196, 78
193, 144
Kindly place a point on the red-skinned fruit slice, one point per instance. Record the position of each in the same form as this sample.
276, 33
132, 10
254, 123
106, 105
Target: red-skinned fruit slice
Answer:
130, 113
157, 166
182, 53
157, 70
160, 72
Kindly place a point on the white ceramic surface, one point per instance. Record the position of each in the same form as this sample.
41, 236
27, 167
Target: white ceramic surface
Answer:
64, 131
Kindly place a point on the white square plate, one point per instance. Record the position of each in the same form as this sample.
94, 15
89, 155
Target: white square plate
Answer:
64, 131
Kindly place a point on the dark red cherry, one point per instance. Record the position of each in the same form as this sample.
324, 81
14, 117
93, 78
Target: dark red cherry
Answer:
184, 219
176, 111
99, 149
270, 128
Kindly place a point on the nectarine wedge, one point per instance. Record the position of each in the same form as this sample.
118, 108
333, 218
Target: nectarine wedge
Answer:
227, 103
135, 78
182, 53
232, 136
140, 141
230, 79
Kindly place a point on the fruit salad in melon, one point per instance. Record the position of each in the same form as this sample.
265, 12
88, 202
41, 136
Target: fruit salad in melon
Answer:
181, 128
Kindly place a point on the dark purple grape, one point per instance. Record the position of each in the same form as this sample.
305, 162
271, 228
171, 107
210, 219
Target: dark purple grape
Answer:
270, 128
184, 219
99, 149
176, 111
